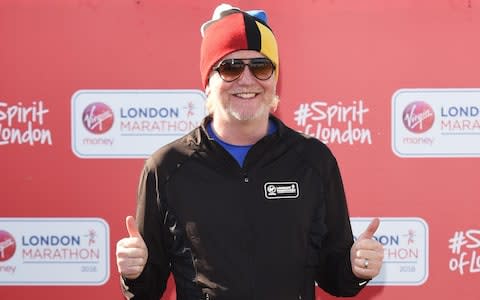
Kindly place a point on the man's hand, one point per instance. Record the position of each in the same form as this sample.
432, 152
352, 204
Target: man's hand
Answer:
131, 252
366, 253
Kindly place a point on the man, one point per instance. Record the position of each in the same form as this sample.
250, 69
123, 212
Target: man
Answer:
243, 207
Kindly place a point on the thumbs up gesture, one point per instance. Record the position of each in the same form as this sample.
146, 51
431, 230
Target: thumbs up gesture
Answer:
366, 253
131, 252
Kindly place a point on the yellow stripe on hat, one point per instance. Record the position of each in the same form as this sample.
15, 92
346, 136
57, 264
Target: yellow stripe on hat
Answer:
269, 45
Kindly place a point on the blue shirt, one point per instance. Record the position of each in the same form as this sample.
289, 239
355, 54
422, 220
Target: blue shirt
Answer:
239, 152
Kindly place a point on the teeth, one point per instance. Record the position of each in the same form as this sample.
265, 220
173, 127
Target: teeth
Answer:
245, 95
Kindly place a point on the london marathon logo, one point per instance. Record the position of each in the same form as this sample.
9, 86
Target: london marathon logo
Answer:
7, 246
418, 117
97, 118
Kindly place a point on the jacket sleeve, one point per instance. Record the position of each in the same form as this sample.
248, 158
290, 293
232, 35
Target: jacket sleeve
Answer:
334, 272
152, 282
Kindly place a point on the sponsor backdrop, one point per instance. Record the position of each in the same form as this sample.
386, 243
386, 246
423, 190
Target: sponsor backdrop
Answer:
88, 88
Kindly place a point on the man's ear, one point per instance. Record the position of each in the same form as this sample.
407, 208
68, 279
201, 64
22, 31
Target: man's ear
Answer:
207, 89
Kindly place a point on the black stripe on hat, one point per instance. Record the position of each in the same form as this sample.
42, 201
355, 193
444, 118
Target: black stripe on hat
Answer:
254, 39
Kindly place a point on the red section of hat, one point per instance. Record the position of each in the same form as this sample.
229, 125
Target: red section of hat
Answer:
221, 38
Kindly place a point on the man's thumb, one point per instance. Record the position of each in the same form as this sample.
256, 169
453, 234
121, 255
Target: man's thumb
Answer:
132, 227
370, 231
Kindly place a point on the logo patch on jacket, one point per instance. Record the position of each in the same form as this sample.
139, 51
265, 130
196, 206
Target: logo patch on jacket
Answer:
281, 190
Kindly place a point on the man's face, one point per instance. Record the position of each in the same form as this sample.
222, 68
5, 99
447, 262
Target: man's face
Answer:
244, 99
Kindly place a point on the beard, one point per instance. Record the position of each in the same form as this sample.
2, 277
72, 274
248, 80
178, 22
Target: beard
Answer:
242, 110
247, 111
248, 114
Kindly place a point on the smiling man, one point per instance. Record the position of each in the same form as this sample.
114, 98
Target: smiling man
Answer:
243, 207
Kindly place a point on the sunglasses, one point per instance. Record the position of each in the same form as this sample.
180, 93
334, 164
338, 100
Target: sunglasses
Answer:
231, 69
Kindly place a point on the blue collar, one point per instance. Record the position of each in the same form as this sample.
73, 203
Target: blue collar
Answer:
238, 152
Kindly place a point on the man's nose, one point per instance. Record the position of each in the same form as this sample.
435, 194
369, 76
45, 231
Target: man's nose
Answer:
246, 76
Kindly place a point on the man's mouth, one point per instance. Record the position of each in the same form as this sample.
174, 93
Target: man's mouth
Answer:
245, 95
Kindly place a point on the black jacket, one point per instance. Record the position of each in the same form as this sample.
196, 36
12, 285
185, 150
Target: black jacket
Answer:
267, 230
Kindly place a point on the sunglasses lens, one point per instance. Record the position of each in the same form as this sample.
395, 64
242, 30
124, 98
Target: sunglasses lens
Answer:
261, 68
231, 69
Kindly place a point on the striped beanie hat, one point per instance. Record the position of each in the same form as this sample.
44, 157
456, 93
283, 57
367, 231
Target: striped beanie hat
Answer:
232, 29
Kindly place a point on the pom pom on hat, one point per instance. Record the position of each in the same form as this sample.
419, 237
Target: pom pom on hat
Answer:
232, 29
220, 11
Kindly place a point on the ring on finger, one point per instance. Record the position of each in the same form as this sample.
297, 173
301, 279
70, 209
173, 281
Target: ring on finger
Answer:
365, 263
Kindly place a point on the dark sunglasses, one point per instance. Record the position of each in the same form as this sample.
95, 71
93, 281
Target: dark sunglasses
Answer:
231, 69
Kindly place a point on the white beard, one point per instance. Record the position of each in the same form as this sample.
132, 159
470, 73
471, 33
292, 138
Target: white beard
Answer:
242, 115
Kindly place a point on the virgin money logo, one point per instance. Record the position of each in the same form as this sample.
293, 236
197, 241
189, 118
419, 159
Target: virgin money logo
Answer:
418, 117
7, 245
97, 118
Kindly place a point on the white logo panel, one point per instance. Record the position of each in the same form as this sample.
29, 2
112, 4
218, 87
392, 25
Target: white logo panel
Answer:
405, 242
436, 123
132, 123
54, 251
